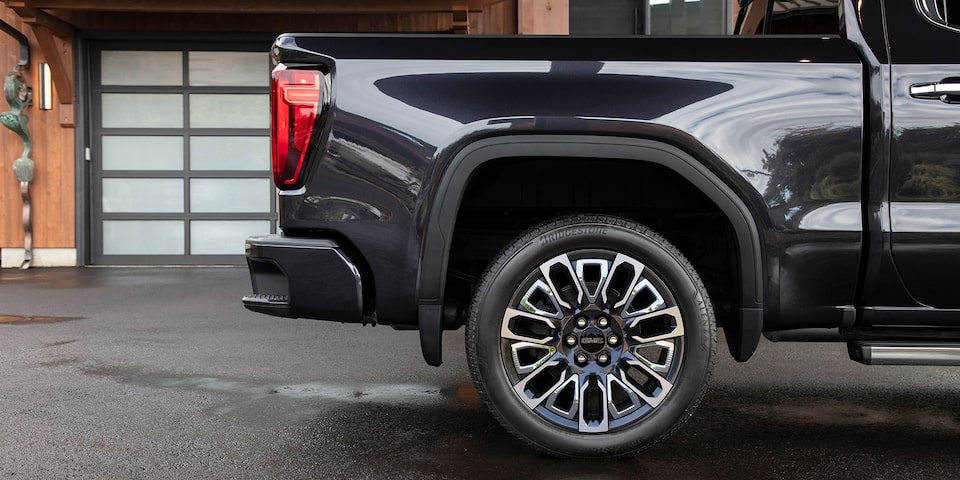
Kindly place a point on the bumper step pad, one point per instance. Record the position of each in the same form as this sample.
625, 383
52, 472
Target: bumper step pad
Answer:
269, 304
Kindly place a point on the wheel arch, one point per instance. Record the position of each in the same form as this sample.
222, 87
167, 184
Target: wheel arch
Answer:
440, 218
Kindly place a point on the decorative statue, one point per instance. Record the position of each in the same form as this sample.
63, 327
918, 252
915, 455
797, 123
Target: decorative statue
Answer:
20, 96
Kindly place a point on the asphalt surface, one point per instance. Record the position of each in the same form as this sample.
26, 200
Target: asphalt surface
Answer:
161, 373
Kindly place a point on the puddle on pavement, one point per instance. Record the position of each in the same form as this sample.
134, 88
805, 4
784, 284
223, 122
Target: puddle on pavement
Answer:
25, 320
377, 393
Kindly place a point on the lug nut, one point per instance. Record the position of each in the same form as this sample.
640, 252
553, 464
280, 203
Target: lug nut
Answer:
581, 359
571, 340
613, 340
603, 358
602, 322
581, 322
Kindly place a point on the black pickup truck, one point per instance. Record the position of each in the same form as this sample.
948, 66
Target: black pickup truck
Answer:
593, 208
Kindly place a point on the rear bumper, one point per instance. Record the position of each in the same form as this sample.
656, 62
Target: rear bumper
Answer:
303, 278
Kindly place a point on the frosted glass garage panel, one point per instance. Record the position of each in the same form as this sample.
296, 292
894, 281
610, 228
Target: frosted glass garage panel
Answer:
142, 153
143, 237
141, 68
142, 195
224, 237
229, 69
230, 195
230, 153
142, 110
230, 111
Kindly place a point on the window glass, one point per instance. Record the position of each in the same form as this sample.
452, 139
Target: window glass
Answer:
154, 195
142, 110
687, 17
224, 237
141, 68
229, 69
790, 17
229, 111
230, 153
142, 153
143, 237
230, 195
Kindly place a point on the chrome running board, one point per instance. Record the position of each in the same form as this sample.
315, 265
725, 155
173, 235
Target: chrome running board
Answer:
897, 353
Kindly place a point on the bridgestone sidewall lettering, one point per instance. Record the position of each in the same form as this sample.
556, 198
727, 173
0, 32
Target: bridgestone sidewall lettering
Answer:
498, 286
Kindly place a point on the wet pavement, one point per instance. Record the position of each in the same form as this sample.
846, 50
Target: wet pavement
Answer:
161, 373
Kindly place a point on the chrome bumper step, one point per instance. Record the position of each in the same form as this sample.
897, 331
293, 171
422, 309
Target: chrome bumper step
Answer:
905, 353
270, 304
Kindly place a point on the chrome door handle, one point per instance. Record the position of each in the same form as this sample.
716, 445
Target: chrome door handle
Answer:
946, 91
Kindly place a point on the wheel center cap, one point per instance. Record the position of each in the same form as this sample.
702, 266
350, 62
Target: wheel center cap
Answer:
592, 340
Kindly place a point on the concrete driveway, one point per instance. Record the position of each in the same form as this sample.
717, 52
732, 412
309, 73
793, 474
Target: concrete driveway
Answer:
160, 373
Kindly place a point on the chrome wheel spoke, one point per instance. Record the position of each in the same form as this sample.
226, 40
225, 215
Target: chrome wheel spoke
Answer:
643, 298
671, 327
593, 416
657, 386
524, 326
662, 349
622, 397
627, 269
528, 356
558, 267
565, 399
592, 274
539, 296
530, 389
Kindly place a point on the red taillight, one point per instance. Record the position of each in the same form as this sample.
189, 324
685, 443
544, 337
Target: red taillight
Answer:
295, 102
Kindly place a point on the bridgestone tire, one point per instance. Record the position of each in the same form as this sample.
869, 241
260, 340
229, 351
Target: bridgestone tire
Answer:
591, 336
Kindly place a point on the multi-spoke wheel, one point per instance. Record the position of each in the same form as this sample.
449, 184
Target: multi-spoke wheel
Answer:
591, 336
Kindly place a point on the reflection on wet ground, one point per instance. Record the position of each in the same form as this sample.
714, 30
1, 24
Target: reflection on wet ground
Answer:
23, 319
393, 394
416, 430
169, 377
95, 277
730, 436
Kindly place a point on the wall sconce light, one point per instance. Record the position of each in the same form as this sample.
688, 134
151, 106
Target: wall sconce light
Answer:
45, 84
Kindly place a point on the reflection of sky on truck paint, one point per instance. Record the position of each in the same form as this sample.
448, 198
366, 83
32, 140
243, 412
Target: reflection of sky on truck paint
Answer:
745, 113
769, 101
356, 91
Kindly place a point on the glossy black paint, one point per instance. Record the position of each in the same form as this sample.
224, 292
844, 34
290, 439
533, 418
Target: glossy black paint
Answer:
925, 172
798, 128
399, 120
303, 278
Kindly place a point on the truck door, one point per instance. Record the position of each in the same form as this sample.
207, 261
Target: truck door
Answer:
925, 158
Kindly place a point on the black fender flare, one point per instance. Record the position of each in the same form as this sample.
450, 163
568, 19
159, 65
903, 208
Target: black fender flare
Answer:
742, 337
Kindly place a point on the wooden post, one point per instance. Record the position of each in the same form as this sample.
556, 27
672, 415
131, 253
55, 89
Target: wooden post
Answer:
543, 17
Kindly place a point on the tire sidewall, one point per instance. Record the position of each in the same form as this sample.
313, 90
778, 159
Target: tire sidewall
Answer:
544, 243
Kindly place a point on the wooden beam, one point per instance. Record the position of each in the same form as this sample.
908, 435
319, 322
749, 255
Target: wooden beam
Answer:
33, 16
258, 6
58, 53
55, 38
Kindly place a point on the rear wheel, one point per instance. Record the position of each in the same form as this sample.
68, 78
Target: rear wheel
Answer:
591, 336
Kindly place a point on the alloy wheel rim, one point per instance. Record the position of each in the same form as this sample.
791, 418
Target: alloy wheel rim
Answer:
592, 341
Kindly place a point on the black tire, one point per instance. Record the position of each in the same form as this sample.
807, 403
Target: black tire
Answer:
539, 364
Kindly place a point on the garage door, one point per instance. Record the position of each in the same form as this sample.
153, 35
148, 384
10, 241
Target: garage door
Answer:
180, 152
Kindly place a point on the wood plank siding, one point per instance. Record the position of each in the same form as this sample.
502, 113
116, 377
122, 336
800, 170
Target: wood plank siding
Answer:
52, 26
53, 151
